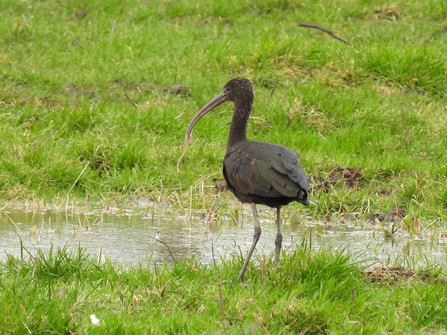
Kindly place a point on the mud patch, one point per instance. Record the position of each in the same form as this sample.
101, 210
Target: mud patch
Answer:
391, 275
176, 89
79, 15
396, 215
349, 176
221, 185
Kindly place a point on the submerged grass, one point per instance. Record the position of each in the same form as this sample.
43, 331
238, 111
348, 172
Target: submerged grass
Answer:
310, 293
95, 98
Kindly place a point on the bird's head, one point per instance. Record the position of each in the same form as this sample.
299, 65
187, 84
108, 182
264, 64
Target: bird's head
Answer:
238, 89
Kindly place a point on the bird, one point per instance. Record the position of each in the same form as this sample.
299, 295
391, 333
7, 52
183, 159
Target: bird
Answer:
258, 173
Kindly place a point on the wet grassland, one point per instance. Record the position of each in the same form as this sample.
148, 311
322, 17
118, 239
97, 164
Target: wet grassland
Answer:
94, 101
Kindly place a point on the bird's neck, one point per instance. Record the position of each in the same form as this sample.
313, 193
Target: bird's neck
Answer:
238, 129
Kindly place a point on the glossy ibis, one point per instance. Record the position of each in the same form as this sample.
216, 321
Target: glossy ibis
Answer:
256, 172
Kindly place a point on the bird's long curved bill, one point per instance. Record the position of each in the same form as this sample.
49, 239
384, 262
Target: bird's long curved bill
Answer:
222, 97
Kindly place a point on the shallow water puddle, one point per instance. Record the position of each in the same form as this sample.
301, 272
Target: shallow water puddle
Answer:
130, 236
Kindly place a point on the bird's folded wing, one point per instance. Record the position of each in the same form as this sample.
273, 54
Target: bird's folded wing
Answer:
269, 173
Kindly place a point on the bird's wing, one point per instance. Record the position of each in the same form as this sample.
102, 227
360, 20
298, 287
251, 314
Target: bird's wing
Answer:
291, 166
247, 174
264, 169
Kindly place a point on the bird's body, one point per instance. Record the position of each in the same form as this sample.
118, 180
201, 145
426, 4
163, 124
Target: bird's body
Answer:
265, 174
256, 172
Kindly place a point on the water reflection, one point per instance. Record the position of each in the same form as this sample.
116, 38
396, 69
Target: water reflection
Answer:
129, 236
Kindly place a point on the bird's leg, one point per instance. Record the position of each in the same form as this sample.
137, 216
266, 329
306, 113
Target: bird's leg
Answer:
278, 240
256, 236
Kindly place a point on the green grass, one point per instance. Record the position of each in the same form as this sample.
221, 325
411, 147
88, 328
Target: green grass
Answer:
68, 128
322, 292
87, 112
